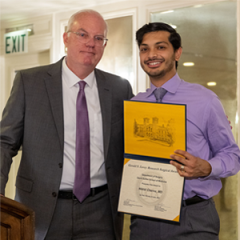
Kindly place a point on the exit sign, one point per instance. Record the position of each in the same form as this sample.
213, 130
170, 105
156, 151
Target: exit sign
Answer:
16, 42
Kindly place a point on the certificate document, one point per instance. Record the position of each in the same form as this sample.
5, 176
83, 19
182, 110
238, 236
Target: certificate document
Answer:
151, 186
151, 189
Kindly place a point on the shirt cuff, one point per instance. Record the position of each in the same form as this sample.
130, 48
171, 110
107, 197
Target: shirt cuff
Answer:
216, 169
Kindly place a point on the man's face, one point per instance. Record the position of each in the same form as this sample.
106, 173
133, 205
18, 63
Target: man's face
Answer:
84, 55
157, 56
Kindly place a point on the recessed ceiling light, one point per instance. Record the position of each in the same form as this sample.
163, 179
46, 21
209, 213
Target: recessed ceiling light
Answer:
188, 64
211, 83
169, 11
197, 6
173, 26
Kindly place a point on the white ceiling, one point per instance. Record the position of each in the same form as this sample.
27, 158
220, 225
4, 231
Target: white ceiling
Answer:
20, 9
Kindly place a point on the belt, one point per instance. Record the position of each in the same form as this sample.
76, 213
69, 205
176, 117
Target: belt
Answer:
70, 195
193, 200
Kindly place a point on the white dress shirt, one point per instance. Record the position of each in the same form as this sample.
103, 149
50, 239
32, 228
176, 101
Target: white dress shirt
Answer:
70, 91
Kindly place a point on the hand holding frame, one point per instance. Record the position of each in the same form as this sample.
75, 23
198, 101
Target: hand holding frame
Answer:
190, 166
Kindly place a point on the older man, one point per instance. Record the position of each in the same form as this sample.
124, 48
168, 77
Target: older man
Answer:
68, 119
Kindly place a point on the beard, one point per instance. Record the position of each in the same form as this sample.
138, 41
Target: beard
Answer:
158, 74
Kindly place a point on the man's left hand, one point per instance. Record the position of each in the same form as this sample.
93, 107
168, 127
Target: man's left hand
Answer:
190, 166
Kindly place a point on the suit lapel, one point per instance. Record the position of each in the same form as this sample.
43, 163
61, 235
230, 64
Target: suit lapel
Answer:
105, 97
54, 89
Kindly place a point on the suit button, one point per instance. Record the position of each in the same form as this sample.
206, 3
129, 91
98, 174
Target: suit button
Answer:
60, 165
54, 194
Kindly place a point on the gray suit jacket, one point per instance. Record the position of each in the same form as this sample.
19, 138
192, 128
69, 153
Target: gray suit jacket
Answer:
33, 119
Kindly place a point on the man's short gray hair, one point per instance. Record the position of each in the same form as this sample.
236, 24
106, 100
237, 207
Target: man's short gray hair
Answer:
72, 18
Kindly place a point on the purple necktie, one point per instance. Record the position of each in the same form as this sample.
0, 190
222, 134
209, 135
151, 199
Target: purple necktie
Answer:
82, 185
159, 94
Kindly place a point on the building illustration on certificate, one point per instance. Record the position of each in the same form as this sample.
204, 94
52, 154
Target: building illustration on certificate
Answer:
152, 129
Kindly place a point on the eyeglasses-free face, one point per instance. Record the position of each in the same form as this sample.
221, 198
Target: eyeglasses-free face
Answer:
84, 37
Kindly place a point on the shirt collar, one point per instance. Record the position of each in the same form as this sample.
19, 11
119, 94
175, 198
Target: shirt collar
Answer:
171, 85
74, 79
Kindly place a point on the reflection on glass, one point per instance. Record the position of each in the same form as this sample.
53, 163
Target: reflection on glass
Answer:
117, 57
209, 42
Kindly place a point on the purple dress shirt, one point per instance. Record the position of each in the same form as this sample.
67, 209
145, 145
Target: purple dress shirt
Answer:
209, 134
